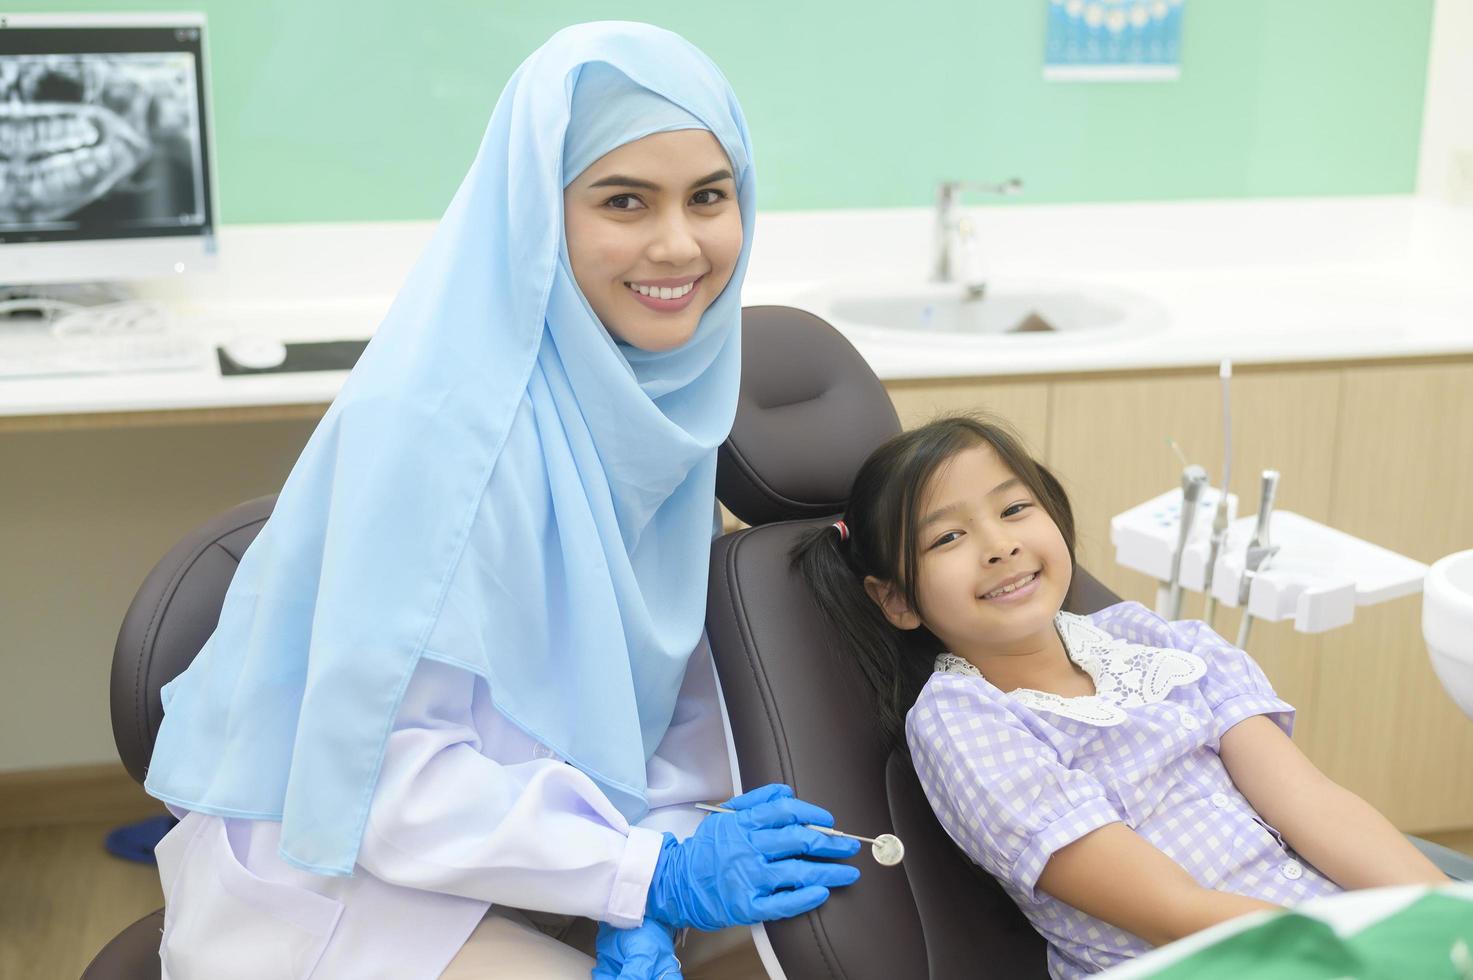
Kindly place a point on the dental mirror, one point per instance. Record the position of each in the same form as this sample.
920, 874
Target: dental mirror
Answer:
886, 849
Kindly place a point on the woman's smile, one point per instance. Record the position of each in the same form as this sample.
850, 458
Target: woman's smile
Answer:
666, 295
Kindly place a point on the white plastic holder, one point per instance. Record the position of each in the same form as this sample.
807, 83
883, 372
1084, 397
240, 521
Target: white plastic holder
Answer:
1317, 578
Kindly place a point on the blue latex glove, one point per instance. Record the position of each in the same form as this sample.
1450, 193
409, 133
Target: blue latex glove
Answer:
646, 952
745, 867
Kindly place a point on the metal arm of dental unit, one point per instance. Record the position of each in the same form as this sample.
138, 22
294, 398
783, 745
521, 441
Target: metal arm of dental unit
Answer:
1220, 512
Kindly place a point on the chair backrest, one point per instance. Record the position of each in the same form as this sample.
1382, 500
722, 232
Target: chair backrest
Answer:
811, 410
169, 620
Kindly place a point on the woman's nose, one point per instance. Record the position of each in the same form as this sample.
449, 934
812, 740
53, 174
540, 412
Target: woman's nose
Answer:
674, 244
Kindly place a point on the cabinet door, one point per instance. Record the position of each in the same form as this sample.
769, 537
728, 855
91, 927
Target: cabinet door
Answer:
1109, 444
84, 514
1403, 472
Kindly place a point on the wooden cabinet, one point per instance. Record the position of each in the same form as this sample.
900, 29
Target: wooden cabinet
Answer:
1384, 452
1023, 404
1403, 476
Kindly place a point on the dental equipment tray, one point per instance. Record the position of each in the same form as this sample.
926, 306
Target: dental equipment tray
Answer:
1317, 578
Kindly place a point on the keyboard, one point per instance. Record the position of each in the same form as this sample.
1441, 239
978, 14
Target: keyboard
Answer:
34, 353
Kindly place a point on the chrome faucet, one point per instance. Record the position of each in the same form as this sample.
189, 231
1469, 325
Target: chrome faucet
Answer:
949, 226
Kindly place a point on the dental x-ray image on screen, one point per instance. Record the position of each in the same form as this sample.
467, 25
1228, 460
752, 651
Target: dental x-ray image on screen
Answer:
106, 173
106, 143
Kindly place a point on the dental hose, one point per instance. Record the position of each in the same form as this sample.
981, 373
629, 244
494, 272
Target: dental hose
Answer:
1220, 518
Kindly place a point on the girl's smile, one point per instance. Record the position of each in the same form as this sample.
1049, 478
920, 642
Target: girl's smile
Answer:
1015, 589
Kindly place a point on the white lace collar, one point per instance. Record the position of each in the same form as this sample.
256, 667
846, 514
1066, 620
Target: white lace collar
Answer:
1125, 674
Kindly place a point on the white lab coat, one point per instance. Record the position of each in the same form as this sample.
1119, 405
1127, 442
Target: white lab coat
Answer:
468, 811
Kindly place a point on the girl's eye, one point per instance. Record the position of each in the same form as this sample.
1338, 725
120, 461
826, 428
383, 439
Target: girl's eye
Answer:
946, 538
624, 202
717, 196
1017, 508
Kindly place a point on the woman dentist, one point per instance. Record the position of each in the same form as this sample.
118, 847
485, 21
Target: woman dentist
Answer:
458, 701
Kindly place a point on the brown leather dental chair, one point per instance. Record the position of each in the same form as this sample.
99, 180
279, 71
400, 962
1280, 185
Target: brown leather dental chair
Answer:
811, 410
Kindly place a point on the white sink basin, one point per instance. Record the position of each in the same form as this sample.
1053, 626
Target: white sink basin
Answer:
1447, 625
1008, 312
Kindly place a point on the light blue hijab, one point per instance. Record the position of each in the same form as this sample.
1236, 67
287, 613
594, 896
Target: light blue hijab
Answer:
499, 486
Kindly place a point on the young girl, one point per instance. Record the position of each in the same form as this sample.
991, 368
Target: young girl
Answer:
1127, 780
461, 669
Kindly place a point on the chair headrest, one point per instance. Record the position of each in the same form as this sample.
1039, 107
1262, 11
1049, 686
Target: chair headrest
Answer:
810, 411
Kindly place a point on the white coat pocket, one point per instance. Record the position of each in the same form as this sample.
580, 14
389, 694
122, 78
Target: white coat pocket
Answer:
222, 922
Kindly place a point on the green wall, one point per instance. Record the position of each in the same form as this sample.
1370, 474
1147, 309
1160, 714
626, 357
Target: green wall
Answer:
371, 109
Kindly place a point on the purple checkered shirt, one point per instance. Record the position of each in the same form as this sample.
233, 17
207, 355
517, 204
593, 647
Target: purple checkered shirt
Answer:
1014, 777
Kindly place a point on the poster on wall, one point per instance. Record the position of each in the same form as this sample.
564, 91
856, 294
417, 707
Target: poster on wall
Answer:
1113, 40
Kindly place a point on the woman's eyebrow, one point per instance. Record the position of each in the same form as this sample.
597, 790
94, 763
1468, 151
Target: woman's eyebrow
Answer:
619, 180
713, 177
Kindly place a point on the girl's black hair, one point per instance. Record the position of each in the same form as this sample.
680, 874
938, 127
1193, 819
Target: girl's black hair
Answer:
884, 507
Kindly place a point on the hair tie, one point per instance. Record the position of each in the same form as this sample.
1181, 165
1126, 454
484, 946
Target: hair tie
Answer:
843, 530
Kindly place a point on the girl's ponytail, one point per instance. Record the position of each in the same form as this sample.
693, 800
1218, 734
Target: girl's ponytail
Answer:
893, 671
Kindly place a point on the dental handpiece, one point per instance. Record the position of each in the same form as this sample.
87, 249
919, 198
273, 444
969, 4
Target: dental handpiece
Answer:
1268, 488
886, 848
1260, 549
1219, 535
1193, 481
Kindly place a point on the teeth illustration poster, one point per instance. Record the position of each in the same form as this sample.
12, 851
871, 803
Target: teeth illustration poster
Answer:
1113, 40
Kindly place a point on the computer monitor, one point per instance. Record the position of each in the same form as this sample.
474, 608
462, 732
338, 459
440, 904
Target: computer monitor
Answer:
105, 163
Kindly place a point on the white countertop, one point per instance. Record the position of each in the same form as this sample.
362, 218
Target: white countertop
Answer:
1262, 281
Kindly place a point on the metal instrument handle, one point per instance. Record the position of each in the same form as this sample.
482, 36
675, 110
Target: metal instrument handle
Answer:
1268, 489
